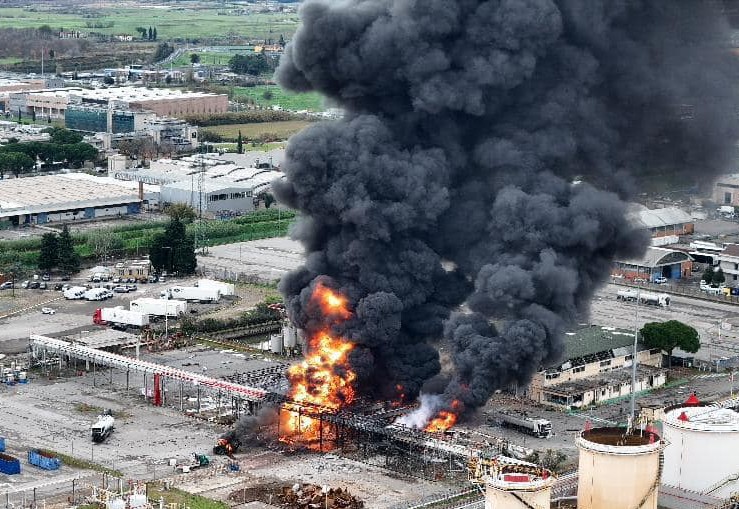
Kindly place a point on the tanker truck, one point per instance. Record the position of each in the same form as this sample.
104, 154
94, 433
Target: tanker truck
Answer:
540, 428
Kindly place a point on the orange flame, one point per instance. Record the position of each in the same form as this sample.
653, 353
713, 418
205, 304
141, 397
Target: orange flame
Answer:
444, 420
324, 378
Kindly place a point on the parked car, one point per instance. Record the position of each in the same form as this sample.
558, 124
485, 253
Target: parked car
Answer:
153, 279
640, 280
34, 285
132, 288
48, 311
65, 277
120, 289
6, 285
116, 280
58, 287
25, 284
43, 286
660, 280
46, 277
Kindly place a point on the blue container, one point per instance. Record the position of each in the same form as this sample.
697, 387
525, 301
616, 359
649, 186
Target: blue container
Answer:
43, 460
2, 444
9, 465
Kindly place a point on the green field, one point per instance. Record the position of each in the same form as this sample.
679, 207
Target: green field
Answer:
211, 57
311, 101
171, 23
280, 130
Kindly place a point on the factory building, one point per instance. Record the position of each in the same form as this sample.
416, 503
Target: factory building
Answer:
665, 225
214, 198
728, 261
161, 101
656, 262
597, 369
95, 119
726, 190
68, 197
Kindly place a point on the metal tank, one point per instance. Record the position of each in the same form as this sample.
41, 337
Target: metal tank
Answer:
618, 469
290, 332
511, 483
275, 343
699, 455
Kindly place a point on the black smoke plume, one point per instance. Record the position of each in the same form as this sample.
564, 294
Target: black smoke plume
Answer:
483, 159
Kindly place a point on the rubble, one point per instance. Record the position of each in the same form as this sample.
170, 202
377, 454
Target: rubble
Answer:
297, 496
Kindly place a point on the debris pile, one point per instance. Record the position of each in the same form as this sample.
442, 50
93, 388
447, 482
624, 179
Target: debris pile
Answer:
298, 496
311, 496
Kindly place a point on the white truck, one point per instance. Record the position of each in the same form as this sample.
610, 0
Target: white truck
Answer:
540, 428
103, 427
192, 293
649, 298
225, 288
159, 307
119, 317
75, 293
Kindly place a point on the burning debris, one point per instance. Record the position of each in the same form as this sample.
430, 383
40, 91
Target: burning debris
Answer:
227, 446
465, 171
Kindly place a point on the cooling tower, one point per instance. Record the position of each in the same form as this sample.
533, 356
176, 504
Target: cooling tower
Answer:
618, 470
700, 452
513, 484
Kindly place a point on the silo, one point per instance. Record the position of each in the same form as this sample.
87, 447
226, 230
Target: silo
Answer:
513, 484
275, 343
699, 452
618, 469
291, 335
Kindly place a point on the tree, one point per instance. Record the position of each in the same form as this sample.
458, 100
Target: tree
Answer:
154, 33
240, 143
48, 253
708, 275
194, 58
173, 250
182, 212
69, 260
670, 335
77, 153
718, 277
151, 34
62, 136
282, 40
142, 31
15, 162
104, 243
250, 64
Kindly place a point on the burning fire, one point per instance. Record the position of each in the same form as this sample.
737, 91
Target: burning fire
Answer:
324, 378
444, 420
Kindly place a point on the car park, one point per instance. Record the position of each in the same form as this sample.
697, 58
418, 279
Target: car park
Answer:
48, 311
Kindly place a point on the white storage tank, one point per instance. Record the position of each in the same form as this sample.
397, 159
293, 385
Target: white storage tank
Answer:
511, 483
275, 343
618, 470
290, 332
699, 455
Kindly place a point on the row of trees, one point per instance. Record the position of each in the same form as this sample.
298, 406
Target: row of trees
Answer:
149, 35
65, 145
712, 277
255, 64
57, 251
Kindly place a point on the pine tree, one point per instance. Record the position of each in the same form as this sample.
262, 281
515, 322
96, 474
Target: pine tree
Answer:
173, 251
151, 34
69, 261
155, 34
48, 254
240, 143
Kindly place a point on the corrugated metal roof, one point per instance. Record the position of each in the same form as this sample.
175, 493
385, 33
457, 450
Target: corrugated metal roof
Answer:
730, 250
656, 256
594, 339
656, 218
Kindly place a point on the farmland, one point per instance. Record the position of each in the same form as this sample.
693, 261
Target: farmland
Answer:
272, 130
171, 23
272, 95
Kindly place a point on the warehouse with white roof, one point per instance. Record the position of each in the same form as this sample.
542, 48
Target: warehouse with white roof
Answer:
66, 197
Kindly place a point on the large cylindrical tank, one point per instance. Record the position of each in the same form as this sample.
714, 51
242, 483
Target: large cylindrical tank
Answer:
275, 343
290, 332
500, 494
618, 470
698, 453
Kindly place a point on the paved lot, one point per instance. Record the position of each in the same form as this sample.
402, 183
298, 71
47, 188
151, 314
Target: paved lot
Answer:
264, 261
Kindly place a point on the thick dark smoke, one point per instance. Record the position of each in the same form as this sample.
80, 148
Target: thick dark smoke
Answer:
247, 428
483, 159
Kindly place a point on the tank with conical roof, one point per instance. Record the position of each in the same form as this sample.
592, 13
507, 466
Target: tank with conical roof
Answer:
699, 438
618, 469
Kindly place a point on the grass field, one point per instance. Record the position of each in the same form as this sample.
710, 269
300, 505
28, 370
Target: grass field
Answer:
212, 57
282, 130
177, 22
311, 101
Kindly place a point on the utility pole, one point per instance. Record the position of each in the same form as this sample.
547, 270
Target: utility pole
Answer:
634, 361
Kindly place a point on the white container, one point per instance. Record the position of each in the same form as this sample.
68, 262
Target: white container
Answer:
291, 336
173, 462
275, 343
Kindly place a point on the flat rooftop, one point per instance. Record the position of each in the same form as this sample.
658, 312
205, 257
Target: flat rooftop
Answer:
125, 94
48, 193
